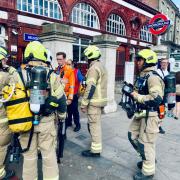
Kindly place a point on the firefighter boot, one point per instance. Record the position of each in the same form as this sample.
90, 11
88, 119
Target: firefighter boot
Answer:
9, 174
161, 130
141, 176
140, 164
88, 153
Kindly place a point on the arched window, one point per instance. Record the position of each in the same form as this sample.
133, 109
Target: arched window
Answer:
48, 8
115, 25
83, 14
145, 35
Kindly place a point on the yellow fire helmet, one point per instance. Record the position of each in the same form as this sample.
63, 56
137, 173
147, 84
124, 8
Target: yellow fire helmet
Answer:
3, 53
92, 52
148, 55
35, 51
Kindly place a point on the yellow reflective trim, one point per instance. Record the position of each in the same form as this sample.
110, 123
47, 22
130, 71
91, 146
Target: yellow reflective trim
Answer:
3, 120
96, 147
91, 80
53, 178
54, 104
2, 172
84, 102
148, 168
98, 100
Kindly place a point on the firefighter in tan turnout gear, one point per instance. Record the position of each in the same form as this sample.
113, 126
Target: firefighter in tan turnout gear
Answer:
44, 134
143, 131
6, 76
94, 99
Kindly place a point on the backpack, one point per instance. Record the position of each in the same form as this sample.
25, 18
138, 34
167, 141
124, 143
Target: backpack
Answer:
17, 107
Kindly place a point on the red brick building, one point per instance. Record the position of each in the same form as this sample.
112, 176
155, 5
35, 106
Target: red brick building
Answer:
123, 18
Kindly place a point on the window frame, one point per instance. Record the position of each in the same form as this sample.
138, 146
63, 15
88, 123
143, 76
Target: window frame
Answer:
85, 15
115, 25
80, 45
145, 35
41, 11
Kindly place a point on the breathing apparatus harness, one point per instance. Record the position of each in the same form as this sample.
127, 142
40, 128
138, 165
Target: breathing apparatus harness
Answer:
142, 110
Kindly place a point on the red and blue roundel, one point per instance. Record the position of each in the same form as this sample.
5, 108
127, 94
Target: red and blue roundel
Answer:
158, 24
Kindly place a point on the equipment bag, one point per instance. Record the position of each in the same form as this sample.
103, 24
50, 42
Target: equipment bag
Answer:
17, 108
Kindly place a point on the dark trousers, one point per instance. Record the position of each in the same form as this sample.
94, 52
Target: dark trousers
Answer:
72, 111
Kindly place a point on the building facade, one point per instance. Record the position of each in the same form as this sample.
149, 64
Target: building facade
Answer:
117, 27
22, 20
170, 41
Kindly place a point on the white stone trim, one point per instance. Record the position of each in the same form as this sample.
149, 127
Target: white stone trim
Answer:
3, 15
85, 31
133, 42
120, 39
134, 8
145, 44
31, 20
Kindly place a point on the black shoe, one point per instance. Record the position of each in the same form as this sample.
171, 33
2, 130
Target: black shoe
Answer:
88, 153
9, 174
141, 176
140, 164
77, 128
175, 117
161, 130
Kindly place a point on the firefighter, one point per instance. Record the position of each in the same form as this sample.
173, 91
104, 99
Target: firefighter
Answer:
143, 131
5, 133
44, 134
94, 99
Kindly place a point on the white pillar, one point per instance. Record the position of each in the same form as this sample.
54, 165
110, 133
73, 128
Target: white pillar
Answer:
108, 46
58, 38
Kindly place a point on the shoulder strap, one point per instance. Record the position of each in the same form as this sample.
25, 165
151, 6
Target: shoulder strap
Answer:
162, 72
49, 74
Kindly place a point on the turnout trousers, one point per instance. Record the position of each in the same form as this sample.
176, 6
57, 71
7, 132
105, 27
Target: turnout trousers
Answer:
44, 138
5, 136
142, 135
94, 127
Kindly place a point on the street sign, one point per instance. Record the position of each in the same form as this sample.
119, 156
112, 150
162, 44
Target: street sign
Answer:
30, 37
158, 24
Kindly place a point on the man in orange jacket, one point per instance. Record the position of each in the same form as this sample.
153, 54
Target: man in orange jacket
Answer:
67, 77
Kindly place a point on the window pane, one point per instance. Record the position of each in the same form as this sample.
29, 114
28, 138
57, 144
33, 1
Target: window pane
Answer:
41, 7
46, 8
51, 9
36, 6
76, 53
19, 4
30, 6
115, 25
24, 5
83, 14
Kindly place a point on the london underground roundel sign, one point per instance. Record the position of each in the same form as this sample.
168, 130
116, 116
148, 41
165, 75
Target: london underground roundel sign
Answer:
158, 24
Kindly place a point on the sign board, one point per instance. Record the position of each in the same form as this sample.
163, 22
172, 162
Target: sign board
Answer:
158, 24
129, 72
30, 37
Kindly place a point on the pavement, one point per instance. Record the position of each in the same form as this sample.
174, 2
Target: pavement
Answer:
118, 160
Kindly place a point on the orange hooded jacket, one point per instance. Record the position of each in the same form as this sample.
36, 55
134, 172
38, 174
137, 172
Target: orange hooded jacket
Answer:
67, 75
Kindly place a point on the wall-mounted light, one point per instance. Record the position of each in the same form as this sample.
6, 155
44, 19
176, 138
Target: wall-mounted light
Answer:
14, 32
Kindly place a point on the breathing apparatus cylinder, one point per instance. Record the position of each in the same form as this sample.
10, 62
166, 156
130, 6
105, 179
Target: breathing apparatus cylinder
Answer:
38, 91
170, 90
